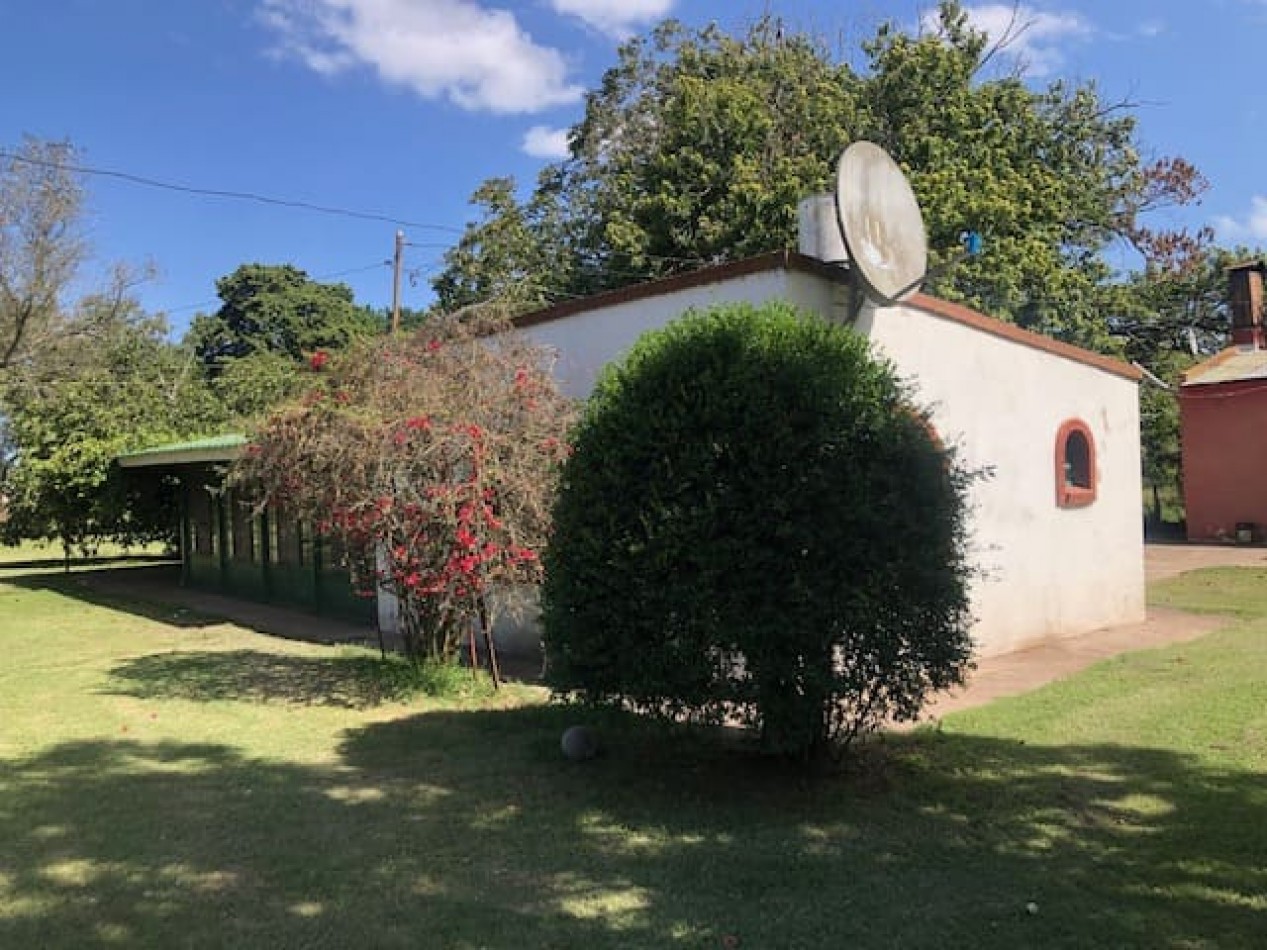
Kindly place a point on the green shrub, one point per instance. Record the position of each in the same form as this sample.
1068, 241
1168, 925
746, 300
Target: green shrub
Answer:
396, 677
756, 524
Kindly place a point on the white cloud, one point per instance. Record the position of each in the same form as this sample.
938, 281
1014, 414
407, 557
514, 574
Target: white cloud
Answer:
615, 17
1029, 36
543, 142
1252, 227
478, 58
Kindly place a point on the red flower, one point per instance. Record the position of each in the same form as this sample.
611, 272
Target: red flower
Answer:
521, 555
433, 345
318, 360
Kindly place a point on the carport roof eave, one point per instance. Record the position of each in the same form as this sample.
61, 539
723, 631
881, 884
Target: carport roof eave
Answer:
220, 448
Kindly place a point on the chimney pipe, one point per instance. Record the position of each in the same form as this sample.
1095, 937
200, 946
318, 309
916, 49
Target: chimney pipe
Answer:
1245, 297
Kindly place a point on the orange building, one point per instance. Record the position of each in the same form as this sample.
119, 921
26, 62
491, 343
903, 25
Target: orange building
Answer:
1223, 419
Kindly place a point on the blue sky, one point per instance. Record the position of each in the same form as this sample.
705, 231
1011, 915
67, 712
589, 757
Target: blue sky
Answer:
402, 107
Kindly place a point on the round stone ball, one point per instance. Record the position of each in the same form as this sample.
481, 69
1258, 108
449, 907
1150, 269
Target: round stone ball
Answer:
580, 743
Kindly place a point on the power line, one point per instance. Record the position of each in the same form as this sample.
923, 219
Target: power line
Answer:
221, 193
315, 277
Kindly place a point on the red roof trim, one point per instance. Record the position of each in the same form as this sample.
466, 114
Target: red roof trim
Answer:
1222, 389
792, 261
715, 274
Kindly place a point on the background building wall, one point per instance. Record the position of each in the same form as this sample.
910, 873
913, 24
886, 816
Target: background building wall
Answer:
1224, 458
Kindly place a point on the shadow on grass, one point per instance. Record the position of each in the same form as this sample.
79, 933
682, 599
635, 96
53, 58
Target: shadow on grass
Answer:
350, 682
467, 829
135, 588
154, 592
48, 565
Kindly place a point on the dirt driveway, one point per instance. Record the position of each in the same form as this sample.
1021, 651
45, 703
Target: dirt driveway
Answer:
1024, 670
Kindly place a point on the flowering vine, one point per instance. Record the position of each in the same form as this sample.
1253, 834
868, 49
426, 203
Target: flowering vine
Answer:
433, 459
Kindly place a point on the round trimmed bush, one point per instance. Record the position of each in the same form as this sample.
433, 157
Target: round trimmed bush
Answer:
756, 523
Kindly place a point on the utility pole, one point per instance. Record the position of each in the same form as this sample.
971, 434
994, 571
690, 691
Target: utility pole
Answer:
396, 264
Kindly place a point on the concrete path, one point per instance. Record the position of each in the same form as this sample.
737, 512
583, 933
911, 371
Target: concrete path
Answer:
1024, 670
1167, 560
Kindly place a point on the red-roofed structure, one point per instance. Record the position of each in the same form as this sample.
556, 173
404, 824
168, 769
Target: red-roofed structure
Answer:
1223, 420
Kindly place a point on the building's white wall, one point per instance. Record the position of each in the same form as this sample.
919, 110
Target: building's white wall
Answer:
586, 342
1049, 571
515, 614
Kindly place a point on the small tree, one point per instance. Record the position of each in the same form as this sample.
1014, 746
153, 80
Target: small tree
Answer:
755, 524
432, 457
111, 384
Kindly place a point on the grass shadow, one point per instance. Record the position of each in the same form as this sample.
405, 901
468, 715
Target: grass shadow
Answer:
348, 682
155, 592
466, 829
933, 839
49, 565
134, 588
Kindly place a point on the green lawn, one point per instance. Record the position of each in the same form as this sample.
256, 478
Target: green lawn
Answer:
31, 557
171, 781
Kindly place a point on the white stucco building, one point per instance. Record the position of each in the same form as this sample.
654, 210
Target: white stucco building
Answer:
1056, 529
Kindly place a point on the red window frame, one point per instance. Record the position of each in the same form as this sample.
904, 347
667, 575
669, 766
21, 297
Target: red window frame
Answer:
1070, 494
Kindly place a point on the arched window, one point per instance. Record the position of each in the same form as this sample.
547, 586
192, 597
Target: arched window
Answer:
1075, 465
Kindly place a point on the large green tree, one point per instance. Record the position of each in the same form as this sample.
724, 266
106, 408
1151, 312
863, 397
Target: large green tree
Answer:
271, 318
697, 145
695, 148
276, 308
506, 257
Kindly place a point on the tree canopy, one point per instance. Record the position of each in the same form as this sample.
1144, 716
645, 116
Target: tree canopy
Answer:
41, 246
119, 388
278, 309
696, 147
272, 317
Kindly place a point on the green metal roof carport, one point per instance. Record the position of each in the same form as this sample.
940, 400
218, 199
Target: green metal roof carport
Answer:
216, 448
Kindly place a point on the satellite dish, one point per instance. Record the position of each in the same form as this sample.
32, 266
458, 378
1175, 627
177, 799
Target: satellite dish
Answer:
881, 223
